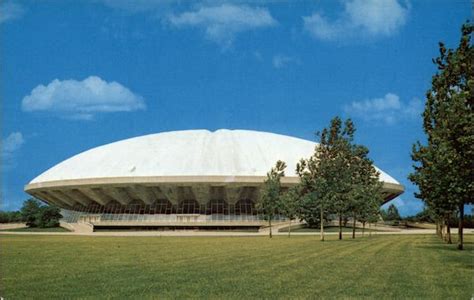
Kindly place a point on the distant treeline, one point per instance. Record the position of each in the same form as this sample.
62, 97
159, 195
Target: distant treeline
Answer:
11, 217
426, 216
34, 214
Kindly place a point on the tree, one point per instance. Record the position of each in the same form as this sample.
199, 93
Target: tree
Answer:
289, 204
366, 195
338, 177
319, 175
368, 199
10, 217
315, 197
30, 212
393, 214
271, 193
443, 167
48, 216
36, 214
340, 166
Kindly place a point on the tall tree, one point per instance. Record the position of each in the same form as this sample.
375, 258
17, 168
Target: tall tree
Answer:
271, 193
443, 168
328, 175
366, 195
393, 214
315, 196
341, 166
289, 204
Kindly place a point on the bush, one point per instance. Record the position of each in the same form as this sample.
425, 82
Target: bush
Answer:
10, 217
35, 214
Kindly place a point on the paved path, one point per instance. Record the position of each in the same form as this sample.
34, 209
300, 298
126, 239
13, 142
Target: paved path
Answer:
4, 226
225, 233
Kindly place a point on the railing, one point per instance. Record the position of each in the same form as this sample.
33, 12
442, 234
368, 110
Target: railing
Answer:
74, 217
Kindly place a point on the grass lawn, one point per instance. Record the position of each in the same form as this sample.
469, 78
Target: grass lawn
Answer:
35, 229
391, 266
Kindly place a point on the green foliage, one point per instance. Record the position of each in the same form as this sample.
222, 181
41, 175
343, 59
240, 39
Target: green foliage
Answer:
443, 167
30, 211
392, 213
426, 216
289, 203
35, 214
339, 178
270, 196
380, 267
10, 217
48, 217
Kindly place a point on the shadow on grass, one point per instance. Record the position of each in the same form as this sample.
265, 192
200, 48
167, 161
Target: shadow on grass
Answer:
450, 253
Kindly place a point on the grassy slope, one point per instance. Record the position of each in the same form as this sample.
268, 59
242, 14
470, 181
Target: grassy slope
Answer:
234, 267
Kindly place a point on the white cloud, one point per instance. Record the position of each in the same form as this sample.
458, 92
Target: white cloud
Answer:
279, 61
10, 10
9, 146
221, 23
388, 109
360, 18
12, 143
82, 99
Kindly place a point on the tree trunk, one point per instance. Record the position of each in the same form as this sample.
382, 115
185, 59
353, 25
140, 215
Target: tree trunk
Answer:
461, 227
289, 229
340, 226
322, 223
354, 227
270, 225
448, 232
370, 229
441, 229
363, 228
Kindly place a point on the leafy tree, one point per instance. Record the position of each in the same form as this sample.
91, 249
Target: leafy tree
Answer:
36, 214
315, 198
340, 160
319, 175
366, 195
369, 204
338, 177
393, 214
271, 193
373, 219
443, 167
48, 216
30, 212
289, 204
10, 217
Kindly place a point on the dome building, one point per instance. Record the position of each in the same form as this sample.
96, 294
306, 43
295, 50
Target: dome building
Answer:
187, 179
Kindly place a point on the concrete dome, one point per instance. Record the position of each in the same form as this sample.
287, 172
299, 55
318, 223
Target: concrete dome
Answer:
190, 153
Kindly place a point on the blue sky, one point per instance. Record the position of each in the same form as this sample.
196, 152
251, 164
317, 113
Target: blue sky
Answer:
79, 74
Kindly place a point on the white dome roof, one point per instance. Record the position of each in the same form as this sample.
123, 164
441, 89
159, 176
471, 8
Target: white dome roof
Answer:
188, 153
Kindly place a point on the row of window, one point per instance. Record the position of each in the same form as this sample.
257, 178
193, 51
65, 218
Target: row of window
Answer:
166, 207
